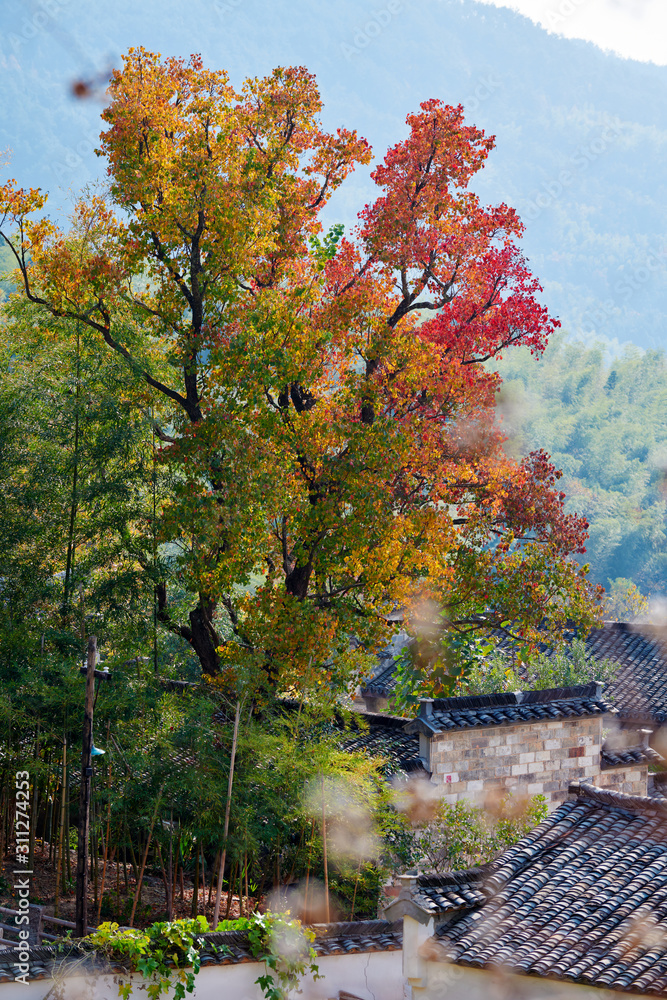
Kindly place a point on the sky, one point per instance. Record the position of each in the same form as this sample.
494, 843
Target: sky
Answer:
635, 29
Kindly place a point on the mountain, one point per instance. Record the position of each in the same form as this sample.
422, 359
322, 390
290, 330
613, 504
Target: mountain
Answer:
603, 422
581, 134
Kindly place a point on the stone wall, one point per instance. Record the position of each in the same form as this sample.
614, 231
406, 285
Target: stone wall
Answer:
528, 758
632, 778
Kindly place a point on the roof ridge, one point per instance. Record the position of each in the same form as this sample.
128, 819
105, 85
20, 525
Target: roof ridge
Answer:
591, 690
356, 928
467, 876
617, 800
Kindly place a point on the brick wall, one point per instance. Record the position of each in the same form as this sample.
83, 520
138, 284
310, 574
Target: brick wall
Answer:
529, 758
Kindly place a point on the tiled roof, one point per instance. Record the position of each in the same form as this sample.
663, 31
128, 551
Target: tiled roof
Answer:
583, 898
629, 755
383, 679
385, 736
639, 691
640, 688
330, 939
446, 893
445, 714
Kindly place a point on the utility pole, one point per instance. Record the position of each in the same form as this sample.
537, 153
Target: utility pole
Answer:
81, 918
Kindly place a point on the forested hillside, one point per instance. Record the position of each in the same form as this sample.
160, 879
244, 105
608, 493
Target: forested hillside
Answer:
603, 421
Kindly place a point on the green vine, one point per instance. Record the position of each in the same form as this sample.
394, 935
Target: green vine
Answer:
165, 954
286, 948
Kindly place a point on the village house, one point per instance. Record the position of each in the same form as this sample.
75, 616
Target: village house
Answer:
639, 691
577, 908
524, 742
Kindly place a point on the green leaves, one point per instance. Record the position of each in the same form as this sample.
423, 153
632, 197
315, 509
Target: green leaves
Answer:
162, 954
286, 949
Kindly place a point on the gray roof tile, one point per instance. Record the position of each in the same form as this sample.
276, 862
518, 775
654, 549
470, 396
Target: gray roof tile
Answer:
583, 897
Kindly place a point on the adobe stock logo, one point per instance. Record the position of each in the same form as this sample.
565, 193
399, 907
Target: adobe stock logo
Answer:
371, 29
486, 87
552, 190
37, 23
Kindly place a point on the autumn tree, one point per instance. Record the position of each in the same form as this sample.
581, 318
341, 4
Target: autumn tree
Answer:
330, 419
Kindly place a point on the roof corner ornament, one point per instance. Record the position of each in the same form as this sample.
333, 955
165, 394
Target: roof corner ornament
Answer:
426, 708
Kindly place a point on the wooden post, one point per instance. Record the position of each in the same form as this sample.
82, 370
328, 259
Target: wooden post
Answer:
35, 924
81, 918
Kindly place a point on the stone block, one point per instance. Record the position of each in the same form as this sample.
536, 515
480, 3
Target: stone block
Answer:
518, 769
449, 777
527, 758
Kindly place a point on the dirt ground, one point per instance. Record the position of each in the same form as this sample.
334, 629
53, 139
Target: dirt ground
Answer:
117, 904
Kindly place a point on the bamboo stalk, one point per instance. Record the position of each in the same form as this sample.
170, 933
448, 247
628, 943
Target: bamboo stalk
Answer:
228, 806
310, 854
356, 883
68, 856
112, 855
167, 887
107, 839
170, 911
195, 890
60, 863
324, 845
212, 882
143, 863
230, 891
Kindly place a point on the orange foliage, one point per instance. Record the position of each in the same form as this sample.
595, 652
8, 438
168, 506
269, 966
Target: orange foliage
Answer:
334, 423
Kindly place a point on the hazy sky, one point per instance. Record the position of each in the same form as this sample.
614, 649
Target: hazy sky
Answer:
636, 29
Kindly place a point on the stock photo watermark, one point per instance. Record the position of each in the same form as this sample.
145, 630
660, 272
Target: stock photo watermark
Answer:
371, 29
22, 884
486, 88
562, 11
627, 285
227, 6
36, 24
584, 156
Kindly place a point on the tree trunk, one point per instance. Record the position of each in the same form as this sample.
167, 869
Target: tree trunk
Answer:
204, 638
201, 634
